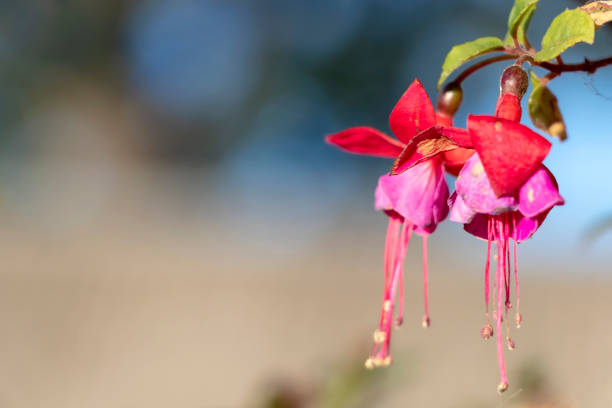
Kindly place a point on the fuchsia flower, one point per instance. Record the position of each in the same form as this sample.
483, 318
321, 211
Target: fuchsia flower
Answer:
415, 201
503, 192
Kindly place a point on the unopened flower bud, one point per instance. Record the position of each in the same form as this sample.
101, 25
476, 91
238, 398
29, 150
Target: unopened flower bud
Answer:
502, 387
487, 331
544, 112
450, 99
511, 345
426, 322
514, 81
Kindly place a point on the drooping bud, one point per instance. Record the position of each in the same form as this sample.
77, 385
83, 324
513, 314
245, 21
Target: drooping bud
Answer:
502, 387
514, 81
512, 86
449, 99
511, 345
426, 322
544, 110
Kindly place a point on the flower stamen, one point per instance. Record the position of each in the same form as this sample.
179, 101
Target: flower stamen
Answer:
426, 321
398, 238
499, 277
517, 318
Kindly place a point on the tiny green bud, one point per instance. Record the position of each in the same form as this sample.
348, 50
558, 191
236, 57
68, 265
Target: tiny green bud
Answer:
514, 81
450, 99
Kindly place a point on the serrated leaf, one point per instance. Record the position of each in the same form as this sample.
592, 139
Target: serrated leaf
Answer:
567, 29
521, 28
518, 13
599, 11
462, 53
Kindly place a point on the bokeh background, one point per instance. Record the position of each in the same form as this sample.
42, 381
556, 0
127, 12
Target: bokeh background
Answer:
175, 233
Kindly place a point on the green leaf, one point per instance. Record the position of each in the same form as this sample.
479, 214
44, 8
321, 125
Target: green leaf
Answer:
462, 53
535, 81
521, 28
543, 109
600, 12
518, 13
567, 29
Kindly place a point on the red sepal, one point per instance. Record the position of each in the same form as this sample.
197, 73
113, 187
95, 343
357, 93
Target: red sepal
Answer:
430, 143
455, 159
510, 152
508, 107
413, 113
366, 140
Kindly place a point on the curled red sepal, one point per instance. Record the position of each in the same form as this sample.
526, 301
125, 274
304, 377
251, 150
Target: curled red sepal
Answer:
366, 140
430, 143
413, 113
510, 152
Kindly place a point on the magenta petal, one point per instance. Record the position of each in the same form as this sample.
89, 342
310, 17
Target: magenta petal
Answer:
459, 211
422, 231
475, 189
381, 200
525, 227
419, 194
539, 193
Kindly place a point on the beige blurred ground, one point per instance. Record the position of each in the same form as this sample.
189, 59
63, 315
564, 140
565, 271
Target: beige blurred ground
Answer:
117, 291
142, 310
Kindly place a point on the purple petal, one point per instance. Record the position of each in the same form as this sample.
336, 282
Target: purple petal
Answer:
539, 193
525, 227
459, 211
475, 189
419, 194
478, 226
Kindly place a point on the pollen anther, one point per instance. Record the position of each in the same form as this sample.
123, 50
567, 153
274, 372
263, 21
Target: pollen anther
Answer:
379, 336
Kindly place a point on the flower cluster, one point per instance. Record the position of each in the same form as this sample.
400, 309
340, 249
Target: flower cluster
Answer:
503, 193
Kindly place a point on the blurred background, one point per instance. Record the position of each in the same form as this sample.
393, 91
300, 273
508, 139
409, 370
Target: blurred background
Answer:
175, 233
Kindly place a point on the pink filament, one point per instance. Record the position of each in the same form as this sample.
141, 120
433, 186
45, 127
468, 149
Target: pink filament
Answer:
425, 296
487, 266
516, 282
499, 277
400, 314
506, 234
398, 248
390, 243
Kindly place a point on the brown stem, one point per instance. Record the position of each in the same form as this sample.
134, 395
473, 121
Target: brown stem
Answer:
520, 54
470, 70
587, 66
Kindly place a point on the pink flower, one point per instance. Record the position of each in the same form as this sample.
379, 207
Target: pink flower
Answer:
415, 201
503, 192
